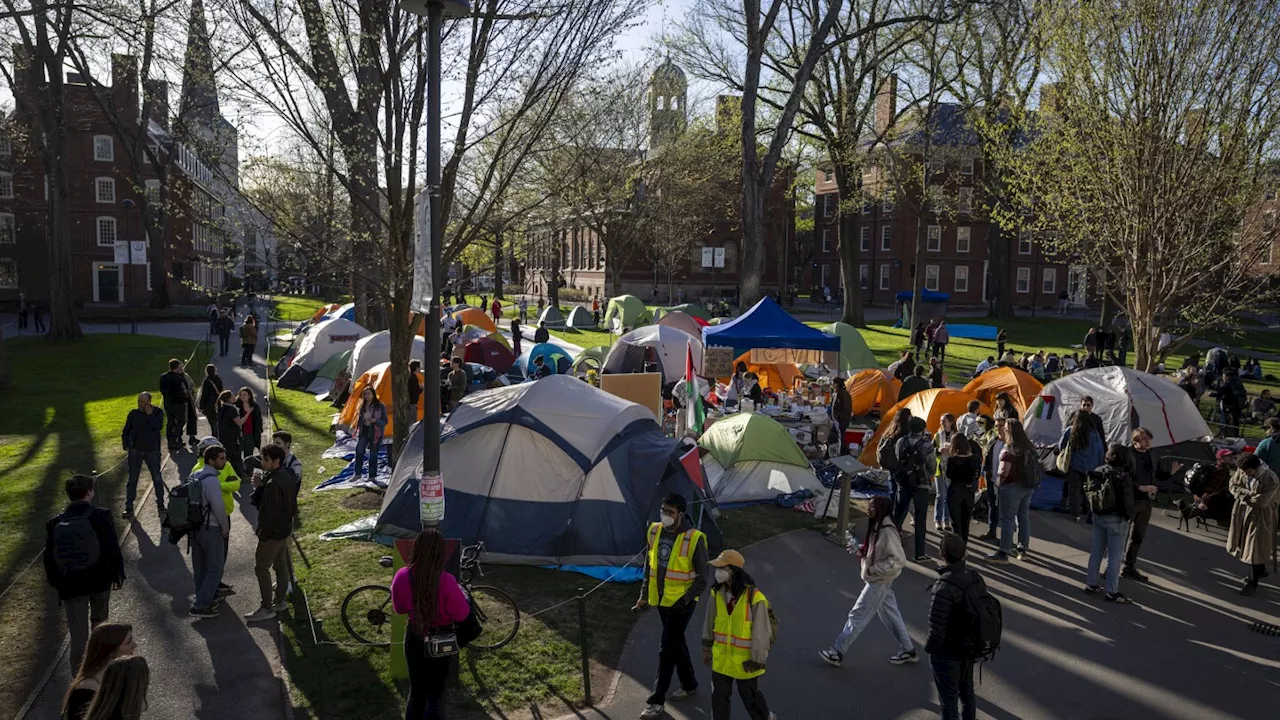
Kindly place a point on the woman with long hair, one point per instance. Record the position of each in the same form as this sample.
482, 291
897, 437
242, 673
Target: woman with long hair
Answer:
964, 464
1017, 462
371, 422
123, 695
251, 428
942, 442
433, 600
210, 389
1085, 447
882, 559
107, 642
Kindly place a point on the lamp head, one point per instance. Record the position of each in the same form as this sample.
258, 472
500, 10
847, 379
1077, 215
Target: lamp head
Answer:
451, 8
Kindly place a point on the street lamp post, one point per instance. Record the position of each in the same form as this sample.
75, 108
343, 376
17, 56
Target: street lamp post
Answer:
435, 11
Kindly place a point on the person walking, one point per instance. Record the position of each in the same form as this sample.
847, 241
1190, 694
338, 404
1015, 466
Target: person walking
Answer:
173, 390
123, 695
82, 562
248, 340
275, 495
434, 602
1110, 495
963, 466
736, 636
915, 461
918, 338
1251, 538
371, 425
107, 642
937, 377
675, 576
1147, 478
208, 543
496, 311
211, 312
524, 309
1018, 473
229, 484
210, 389
950, 628
223, 327
141, 440
37, 314
1083, 447
882, 560
942, 448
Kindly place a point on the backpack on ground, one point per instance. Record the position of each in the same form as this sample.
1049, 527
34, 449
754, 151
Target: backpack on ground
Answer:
75, 544
887, 453
186, 505
983, 620
1100, 491
773, 619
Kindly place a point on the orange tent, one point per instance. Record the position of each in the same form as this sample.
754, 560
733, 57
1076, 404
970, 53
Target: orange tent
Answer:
872, 389
475, 316
772, 376
929, 405
324, 310
379, 378
1022, 387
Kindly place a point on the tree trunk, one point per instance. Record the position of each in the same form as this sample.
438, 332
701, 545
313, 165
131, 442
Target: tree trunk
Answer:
402, 332
849, 248
1000, 306
1146, 344
1107, 308
752, 239
497, 268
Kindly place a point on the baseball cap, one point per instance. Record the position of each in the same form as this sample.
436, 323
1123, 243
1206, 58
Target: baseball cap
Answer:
1223, 453
728, 558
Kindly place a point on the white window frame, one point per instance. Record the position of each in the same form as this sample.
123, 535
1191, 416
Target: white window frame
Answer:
884, 276
825, 271
153, 190
966, 166
864, 276
933, 167
933, 239
932, 274
1049, 281
886, 238
99, 266
98, 227
104, 183
826, 239
8, 229
1023, 282
961, 282
964, 200
6, 146
6, 186
866, 239
886, 205
826, 176
101, 143
828, 207
1266, 259
866, 207
965, 233
1024, 240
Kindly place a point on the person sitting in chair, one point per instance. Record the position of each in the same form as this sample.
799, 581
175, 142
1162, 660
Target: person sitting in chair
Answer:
1208, 487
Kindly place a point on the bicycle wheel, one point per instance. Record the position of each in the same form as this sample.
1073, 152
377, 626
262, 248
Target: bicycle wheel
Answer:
365, 614
498, 615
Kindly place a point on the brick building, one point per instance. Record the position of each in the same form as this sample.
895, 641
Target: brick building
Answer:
957, 257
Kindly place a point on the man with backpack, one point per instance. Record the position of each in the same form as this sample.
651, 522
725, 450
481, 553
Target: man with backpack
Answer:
201, 512
915, 455
82, 561
1109, 491
964, 627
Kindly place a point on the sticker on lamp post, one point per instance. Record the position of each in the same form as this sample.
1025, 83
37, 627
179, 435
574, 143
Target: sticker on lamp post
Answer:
431, 499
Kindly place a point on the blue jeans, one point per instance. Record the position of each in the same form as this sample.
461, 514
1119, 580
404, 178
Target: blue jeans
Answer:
941, 513
1110, 533
875, 599
136, 459
1015, 505
364, 443
208, 558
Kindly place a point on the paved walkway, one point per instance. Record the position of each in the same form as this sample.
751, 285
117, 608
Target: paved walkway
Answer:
208, 669
1184, 651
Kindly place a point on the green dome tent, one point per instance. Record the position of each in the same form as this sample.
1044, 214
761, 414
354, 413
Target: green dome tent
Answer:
854, 353
552, 317
692, 309
751, 457
580, 319
626, 312
590, 358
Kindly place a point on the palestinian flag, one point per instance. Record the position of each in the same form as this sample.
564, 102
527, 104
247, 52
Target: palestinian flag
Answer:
693, 400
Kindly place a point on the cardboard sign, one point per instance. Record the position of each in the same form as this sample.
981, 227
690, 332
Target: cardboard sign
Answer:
717, 362
641, 388
779, 356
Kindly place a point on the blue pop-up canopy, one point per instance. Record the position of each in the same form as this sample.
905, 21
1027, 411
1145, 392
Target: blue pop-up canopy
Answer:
768, 326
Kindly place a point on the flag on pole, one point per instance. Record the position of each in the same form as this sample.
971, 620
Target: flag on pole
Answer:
693, 401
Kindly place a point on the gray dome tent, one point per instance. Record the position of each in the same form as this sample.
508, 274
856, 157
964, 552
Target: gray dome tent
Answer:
580, 319
552, 317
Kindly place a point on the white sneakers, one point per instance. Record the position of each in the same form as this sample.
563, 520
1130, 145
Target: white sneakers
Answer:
652, 711
262, 613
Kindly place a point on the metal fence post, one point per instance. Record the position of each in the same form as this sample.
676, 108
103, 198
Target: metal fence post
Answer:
586, 659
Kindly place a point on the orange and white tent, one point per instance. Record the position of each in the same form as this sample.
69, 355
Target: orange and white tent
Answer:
929, 405
378, 378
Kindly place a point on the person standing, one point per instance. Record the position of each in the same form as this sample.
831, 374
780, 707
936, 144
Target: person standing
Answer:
1253, 518
1084, 448
1001, 338
434, 601
675, 576
1147, 477
992, 445
1091, 342
524, 309
918, 382
915, 461
950, 623
173, 390
736, 636
1110, 495
229, 484
517, 335
942, 448
208, 543
1269, 449
414, 392
541, 335
964, 464
1018, 462
123, 695
251, 423
371, 424
1064, 301
882, 560
107, 642
1233, 398
248, 340
275, 495
229, 430
37, 313
595, 310
82, 562
941, 336
457, 383
841, 412
23, 308
484, 303
967, 425
918, 339
210, 389
223, 327
141, 440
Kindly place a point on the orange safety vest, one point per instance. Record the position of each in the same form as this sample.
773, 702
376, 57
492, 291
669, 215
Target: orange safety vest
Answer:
680, 571
732, 635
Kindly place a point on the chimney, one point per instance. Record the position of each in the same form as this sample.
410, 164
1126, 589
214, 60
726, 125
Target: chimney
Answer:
886, 107
1197, 127
124, 87
156, 93
728, 114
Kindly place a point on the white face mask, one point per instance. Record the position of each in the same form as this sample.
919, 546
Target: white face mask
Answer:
723, 576
668, 521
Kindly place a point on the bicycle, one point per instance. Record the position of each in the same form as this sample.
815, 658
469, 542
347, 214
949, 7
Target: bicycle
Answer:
366, 611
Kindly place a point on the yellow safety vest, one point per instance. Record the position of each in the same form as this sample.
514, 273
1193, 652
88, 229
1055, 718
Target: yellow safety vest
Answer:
680, 570
732, 635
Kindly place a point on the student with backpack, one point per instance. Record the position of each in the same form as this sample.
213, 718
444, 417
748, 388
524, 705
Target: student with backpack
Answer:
204, 516
1017, 476
737, 633
1080, 450
82, 561
964, 626
882, 559
916, 462
1109, 491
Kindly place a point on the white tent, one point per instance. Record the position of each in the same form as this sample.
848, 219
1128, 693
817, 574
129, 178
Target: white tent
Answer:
326, 339
1124, 399
668, 344
376, 349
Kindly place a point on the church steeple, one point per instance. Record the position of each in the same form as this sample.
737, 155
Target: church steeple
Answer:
199, 106
668, 93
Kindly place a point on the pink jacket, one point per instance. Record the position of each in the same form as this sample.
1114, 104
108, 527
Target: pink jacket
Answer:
452, 608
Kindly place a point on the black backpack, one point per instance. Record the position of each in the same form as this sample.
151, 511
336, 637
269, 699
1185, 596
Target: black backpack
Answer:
1101, 491
887, 453
186, 507
983, 620
75, 544
911, 462
1032, 472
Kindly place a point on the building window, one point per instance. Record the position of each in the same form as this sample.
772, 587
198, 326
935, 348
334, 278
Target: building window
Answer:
966, 166
105, 190
7, 234
962, 278
886, 238
887, 206
930, 277
864, 276
8, 274
866, 207
826, 270
934, 167
884, 276
153, 191
1024, 243
826, 240
964, 200
1049, 281
107, 232
6, 146
826, 176
6, 185
104, 148
934, 240
828, 205
866, 239
962, 239
1024, 280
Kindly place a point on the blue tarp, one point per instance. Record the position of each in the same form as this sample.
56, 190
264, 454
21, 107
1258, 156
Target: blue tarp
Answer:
767, 325
1048, 496
930, 296
973, 332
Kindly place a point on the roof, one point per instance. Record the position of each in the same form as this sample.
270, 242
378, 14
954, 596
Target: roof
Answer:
767, 325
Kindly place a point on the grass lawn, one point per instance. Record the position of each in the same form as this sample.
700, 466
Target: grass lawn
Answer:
63, 415
541, 666
295, 308
584, 338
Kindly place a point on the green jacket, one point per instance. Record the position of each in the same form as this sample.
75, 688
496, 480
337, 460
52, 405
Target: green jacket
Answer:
227, 480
